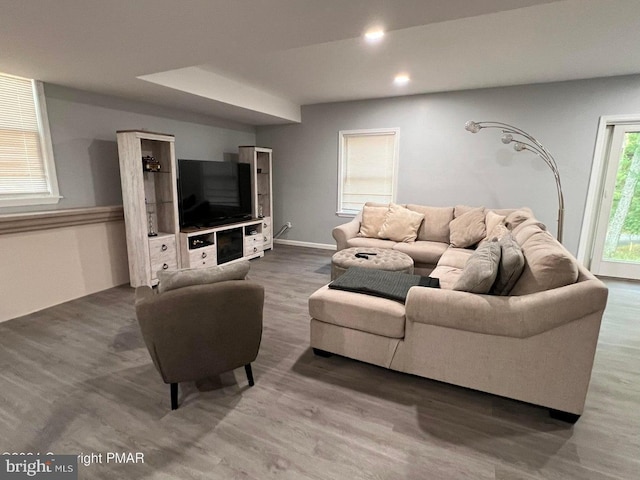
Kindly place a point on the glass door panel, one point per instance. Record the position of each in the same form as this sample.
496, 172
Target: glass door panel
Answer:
617, 245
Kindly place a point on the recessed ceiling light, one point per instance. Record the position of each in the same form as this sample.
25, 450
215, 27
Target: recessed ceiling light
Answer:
374, 35
401, 79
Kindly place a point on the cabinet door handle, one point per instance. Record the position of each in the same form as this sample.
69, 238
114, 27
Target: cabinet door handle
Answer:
265, 239
164, 247
255, 249
264, 225
204, 254
165, 266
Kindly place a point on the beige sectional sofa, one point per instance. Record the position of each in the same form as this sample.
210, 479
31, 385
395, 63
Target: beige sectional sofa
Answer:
535, 344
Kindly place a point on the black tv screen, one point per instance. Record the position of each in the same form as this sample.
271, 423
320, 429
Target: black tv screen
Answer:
213, 193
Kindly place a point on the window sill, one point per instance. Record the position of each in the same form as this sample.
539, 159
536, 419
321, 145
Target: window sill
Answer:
33, 221
30, 200
346, 214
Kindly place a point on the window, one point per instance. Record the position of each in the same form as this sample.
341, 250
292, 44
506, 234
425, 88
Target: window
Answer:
27, 171
368, 167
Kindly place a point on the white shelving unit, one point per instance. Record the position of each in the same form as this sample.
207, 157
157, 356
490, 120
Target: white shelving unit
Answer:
260, 159
150, 204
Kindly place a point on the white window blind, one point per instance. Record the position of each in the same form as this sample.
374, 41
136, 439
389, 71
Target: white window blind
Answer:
368, 165
27, 175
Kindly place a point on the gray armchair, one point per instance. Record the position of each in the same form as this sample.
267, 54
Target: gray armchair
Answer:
199, 331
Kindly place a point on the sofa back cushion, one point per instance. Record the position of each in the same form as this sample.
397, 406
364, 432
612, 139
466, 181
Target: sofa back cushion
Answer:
526, 229
547, 264
435, 227
516, 217
172, 279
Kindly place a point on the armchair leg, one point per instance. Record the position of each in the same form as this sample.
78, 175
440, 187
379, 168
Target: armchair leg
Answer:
247, 369
174, 396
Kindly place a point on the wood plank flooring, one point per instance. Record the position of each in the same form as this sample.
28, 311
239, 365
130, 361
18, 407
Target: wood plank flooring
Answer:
76, 378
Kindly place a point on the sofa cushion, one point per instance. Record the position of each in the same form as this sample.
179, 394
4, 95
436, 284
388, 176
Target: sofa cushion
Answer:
435, 227
505, 212
526, 229
422, 251
517, 217
372, 220
460, 210
510, 266
401, 224
547, 265
370, 242
455, 257
172, 279
379, 316
467, 229
481, 269
447, 275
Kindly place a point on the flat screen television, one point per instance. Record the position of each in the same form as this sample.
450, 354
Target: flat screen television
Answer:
213, 193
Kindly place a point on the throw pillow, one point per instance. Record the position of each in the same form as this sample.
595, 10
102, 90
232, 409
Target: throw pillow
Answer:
401, 224
481, 269
510, 266
497, 233
170, 280
467, 229
547, 265
492, 220
372, 220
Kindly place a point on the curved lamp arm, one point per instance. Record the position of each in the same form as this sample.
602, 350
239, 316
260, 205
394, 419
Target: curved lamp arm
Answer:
523, 141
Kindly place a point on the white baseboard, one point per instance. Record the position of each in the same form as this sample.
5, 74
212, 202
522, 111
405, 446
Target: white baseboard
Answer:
297, 243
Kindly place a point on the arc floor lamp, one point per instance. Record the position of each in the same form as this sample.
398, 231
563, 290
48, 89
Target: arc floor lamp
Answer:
523, 141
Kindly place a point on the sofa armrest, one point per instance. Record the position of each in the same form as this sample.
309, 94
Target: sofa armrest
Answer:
344, 232
510, 316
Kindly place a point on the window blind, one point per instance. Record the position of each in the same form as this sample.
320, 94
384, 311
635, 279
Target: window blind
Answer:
368, 170
22, 166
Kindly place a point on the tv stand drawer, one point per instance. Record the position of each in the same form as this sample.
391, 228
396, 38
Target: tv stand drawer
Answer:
203, 257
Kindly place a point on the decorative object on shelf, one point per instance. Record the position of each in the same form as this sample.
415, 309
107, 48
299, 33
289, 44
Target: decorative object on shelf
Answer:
152, 228
260, 212
150, 164
523, 141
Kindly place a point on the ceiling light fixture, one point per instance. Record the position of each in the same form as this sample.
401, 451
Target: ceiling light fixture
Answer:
401, 79
373, 36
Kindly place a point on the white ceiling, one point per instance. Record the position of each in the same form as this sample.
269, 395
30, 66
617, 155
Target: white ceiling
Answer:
257, 61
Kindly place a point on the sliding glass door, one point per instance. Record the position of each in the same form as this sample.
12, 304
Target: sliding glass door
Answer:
617, 241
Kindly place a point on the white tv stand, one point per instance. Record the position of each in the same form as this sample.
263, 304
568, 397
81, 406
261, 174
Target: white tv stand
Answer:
204, 247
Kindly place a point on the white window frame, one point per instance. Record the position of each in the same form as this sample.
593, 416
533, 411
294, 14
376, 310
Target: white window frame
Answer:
53, 195
343, 135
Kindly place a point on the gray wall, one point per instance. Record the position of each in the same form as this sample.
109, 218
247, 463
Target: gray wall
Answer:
443, 164
83, 133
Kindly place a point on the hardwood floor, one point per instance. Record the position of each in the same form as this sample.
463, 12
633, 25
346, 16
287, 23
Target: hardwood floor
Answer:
76, 378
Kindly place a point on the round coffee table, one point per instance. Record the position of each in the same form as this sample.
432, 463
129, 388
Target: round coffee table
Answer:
384, 259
